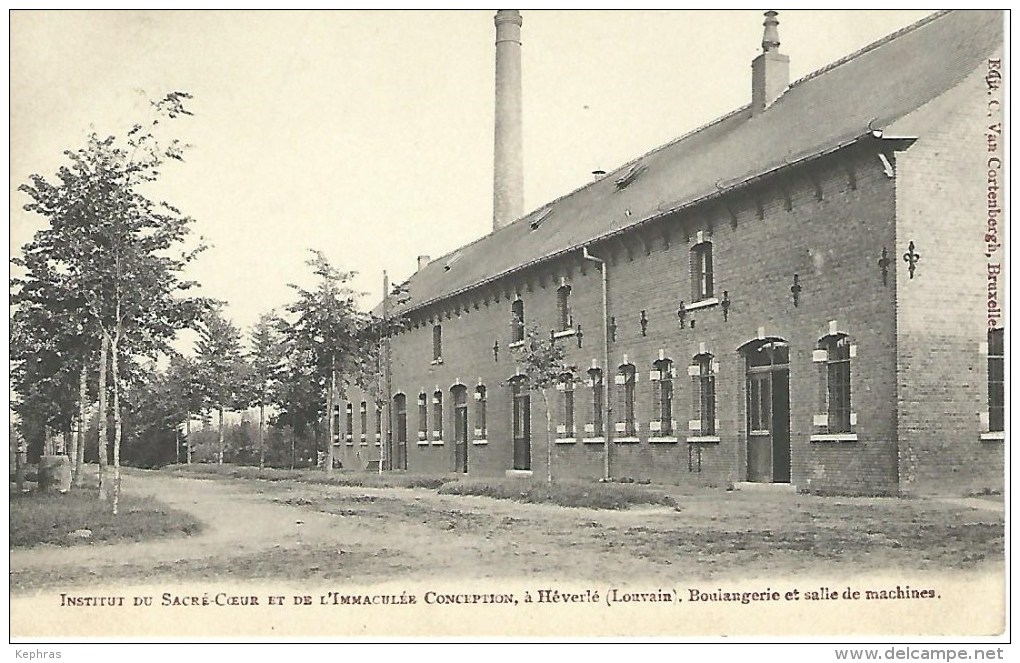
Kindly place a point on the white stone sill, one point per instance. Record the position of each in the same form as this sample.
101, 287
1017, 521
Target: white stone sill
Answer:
565, 440
835, 437
704, 303
668, 439
695, 439
994, 436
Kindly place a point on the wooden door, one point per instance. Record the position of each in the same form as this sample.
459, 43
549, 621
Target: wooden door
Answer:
768, 412
460, 429
522, 425
400, 416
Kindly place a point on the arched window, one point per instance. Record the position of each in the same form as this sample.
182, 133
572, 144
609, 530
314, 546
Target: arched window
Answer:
437, 344
349, 428
364, 422
565, 386
662, 383
702, 372
702, 278
423, 418
626, 381
378, 422
437, 416
517, 321
480, 402
563, 308
996, 380
837, 382
596, 424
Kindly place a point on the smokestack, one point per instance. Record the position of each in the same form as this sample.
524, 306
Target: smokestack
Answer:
423, 261
508, 177
770, 71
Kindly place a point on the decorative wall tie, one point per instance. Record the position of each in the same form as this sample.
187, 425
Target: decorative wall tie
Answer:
580, 336
644, 323
883, 264
725, 306
911, 257
495, 350
612, 329
795, 290
681, 315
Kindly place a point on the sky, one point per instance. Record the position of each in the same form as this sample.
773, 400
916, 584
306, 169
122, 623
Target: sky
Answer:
368, 135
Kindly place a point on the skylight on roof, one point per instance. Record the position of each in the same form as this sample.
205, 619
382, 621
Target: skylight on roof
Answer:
632, 174
537, 221
454, 258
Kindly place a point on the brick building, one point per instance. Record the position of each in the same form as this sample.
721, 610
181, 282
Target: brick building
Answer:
803, 292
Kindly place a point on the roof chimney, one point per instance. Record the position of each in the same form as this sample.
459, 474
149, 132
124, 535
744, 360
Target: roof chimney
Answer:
770, 71
423, 261
508, 178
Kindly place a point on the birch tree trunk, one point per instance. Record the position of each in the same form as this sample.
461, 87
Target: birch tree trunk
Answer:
189, 437
548, 437
329, 427
262, 432
103, 425
79, 447
117, 422
220, 460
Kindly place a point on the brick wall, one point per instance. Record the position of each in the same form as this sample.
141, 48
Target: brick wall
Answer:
941, 313
827, 225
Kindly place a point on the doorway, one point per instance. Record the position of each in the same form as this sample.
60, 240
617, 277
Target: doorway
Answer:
768, 411
400, 417
460, 429
522, 423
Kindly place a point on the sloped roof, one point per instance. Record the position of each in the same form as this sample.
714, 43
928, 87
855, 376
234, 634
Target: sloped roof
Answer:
820, 112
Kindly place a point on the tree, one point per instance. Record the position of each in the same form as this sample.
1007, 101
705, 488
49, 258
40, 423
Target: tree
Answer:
326, 338
266, 359
185, 389
541, 362
222, 372
118, 250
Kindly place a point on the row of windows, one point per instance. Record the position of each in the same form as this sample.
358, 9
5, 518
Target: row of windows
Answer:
363, 416
833, 356
702, 288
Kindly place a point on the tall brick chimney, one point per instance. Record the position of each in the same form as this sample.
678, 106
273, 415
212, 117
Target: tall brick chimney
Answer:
770, 71
508, 176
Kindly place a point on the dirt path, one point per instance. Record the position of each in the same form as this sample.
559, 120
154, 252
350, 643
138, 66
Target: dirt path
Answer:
236, 520
261, 530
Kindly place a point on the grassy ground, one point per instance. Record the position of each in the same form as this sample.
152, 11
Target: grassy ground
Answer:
37, 518
562, 493
316, 476
535, 491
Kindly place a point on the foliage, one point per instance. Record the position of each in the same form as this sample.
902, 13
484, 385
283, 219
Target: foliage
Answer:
221, 375
106, 271
325, 349
541, 360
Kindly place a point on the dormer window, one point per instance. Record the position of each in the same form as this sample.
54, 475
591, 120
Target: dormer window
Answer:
542, 216
632, 174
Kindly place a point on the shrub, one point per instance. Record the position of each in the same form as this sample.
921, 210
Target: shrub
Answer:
563, 493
